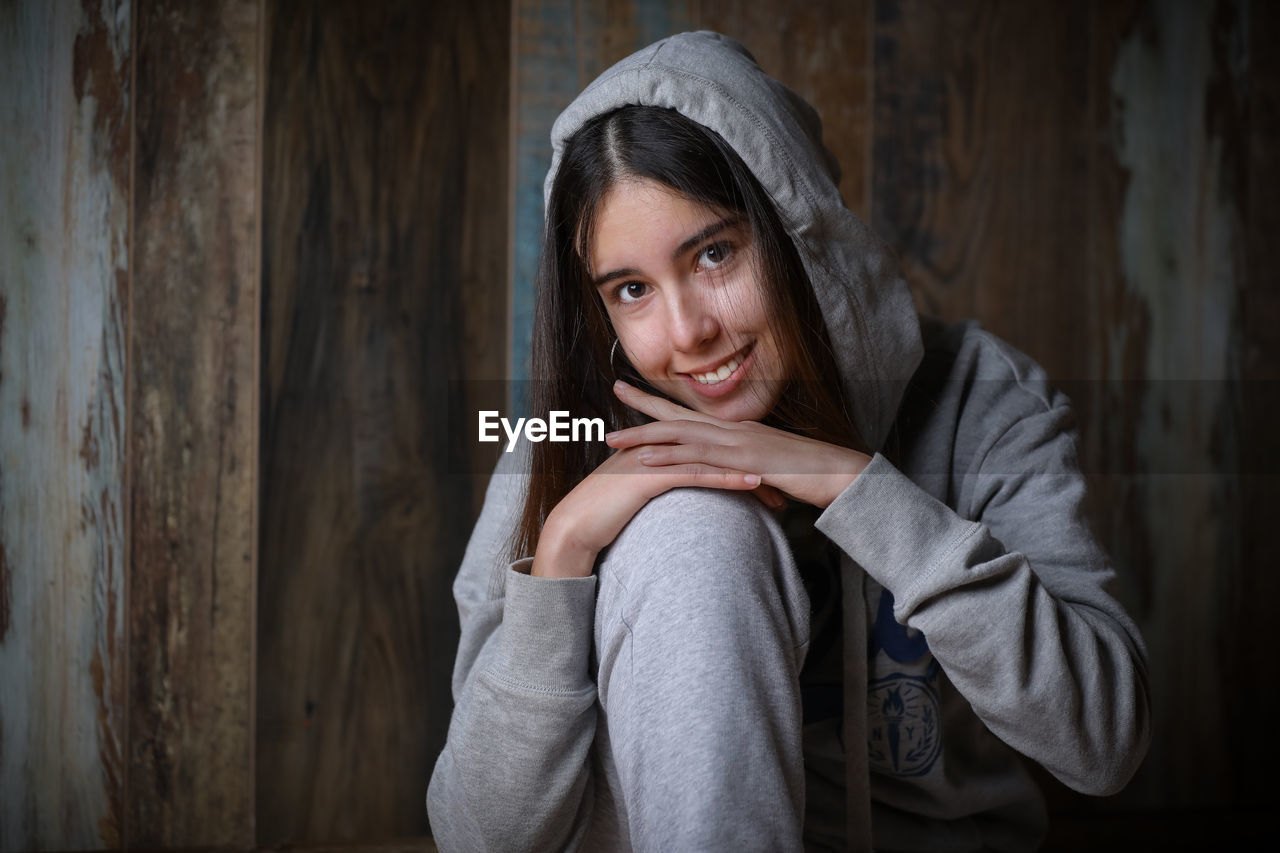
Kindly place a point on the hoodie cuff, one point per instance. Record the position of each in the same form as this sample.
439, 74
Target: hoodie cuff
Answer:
546, 630
897, 532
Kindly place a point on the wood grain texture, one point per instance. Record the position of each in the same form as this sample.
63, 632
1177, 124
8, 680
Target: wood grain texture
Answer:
64, 182
384, 250
193, 432
980, 168
823, 51
1176, 91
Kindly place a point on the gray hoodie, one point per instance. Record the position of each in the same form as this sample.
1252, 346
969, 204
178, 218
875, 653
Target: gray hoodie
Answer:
975, 625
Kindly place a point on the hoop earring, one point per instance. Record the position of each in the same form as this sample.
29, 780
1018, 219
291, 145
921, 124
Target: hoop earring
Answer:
612, 350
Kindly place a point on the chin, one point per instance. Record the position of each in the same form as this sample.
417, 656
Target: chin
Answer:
743, 407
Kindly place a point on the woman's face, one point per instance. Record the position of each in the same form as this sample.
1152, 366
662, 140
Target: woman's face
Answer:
680, 282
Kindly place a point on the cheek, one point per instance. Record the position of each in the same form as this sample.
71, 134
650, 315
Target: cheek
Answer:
758, 301
741, 296
641, 341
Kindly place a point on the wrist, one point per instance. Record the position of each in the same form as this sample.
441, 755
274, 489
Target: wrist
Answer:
558, 557
854, 464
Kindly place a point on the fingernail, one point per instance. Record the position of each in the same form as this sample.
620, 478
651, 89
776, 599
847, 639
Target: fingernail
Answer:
644, 455
621, 385
752, 479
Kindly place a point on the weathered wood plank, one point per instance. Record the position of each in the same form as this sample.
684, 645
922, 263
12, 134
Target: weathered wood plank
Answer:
193, 433
545, 75
385, 227
64, 212
823, 51
1175, 90
979, 173
606, 31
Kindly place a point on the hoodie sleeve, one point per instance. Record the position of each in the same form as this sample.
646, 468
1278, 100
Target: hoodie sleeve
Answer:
1013, 595
514, 773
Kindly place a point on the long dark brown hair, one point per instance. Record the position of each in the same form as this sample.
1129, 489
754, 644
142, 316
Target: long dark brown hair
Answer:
572, 336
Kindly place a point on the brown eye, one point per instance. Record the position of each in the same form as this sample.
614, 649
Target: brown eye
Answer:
631, 291
715, 255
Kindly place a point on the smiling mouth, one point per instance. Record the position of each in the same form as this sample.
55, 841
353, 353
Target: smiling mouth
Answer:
724, 371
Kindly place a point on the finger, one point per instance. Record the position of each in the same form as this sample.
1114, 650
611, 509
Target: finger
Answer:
657, 407
669, 432
657, 454
707, 476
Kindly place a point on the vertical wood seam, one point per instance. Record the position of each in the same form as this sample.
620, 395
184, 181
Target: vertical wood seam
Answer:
255, 429
126, 439
868, 148
513, 123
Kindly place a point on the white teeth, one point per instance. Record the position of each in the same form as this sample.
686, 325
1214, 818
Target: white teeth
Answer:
717, 376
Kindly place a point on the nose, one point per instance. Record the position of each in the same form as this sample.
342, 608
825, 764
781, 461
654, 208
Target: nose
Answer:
694, 322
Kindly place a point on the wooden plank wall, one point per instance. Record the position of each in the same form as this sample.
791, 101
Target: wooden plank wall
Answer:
1090, 181
384, 293
130, 381
1094, 181
64, 289
128, 298
193, 416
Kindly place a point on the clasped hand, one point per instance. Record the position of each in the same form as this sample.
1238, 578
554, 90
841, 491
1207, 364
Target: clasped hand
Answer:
685, 448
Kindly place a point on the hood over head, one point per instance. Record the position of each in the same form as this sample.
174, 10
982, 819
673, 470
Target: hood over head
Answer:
714, 81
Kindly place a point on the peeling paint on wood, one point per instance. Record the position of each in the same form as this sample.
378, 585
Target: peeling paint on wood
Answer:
193, 432
1180, 247
546, 79
64, 168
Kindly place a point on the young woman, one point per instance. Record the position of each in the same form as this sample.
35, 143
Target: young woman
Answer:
880, 593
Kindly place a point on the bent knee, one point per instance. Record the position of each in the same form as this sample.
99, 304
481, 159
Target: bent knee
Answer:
704, 575
715, 526
697, 545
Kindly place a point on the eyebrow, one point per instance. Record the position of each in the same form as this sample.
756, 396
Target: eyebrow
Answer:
705, 234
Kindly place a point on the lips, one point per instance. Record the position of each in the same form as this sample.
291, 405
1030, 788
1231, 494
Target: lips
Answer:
718, 380
720, 373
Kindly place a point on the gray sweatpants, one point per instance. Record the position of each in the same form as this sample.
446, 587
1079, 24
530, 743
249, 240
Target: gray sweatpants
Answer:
701, 628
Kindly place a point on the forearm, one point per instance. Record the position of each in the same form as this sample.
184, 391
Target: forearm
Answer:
1051, 665
515, 773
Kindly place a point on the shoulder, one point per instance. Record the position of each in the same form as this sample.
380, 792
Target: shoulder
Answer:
972, 392
966, 354
977, 375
